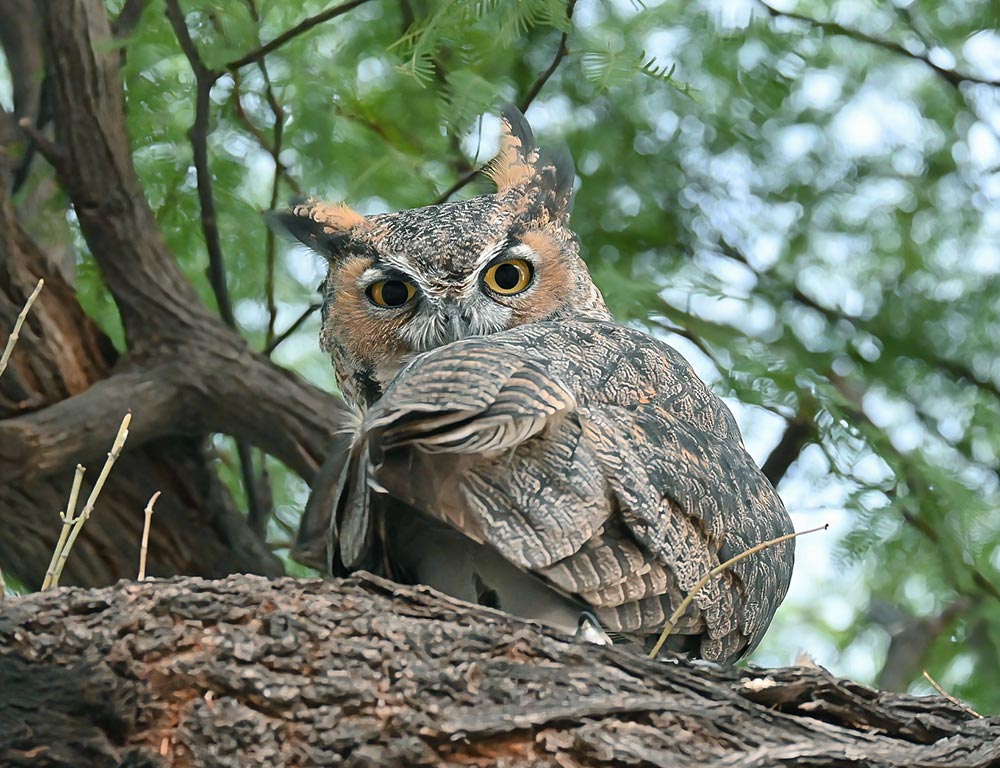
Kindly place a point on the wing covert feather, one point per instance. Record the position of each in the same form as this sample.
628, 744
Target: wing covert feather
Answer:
592, 454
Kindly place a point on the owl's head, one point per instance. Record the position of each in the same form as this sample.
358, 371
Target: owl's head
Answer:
403, 283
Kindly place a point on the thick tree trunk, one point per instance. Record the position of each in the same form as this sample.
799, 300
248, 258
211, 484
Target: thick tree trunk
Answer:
184, 374
248, 671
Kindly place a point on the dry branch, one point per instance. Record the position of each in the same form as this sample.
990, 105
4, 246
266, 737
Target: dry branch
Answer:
950, 76
363, 672
68, 521
144, 547
15, 333
299, 29
699, 585
78, 522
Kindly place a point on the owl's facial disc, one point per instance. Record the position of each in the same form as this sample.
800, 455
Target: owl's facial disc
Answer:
445, 308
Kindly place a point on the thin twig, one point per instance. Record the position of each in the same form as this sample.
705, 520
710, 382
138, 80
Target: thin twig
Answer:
298, 29
952, 699
700, 585
54, 154
198, 136
270, 242
291, 329
67, 523
14, 334
205, 78
561, 52
462, 182
950, 76
241, 115
145, 535
88, 508
128, 18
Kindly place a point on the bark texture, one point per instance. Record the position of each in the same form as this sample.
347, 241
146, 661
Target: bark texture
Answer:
363, 672
184, 373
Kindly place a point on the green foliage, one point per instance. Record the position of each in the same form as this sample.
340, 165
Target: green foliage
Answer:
817, 212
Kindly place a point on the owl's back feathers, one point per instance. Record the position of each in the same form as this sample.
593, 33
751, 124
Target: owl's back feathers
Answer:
591, 455
517, 447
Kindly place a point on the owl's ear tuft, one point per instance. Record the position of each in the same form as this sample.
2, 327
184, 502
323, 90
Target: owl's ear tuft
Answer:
547, 176
323, 227
556, 175
514, 164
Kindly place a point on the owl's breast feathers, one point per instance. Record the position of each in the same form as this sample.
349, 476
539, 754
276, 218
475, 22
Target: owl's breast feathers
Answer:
589, 454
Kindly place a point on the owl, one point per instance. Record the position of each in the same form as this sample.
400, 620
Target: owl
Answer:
515, 446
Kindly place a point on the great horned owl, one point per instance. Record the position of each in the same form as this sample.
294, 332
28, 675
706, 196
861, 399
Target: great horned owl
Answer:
516, 446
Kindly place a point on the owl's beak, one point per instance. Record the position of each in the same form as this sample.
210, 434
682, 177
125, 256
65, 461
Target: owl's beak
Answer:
459, 328
455, 326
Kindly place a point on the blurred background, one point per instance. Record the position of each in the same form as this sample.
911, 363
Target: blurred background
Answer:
802, 197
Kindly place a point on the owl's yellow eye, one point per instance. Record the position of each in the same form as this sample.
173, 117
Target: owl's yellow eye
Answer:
509, 277
390, 293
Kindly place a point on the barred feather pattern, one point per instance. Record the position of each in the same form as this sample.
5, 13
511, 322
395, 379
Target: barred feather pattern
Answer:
589, 455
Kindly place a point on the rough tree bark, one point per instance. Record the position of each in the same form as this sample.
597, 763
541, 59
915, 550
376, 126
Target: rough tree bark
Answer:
363, 672
184, 374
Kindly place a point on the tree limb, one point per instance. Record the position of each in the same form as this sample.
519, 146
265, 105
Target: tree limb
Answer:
299, 29
950, 76
198, 135
366, 672
561, 52
796, 436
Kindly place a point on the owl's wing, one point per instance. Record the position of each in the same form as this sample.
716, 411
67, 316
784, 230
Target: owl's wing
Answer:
591, 455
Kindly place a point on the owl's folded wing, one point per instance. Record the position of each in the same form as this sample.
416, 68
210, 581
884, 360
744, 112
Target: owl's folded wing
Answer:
591, 455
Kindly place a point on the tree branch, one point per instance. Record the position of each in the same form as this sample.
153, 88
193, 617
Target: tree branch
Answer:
561, 52
128, 18
796, 436
198, 134
191, 392
911, 638
283, 336
299, 29
315, 671
950, 76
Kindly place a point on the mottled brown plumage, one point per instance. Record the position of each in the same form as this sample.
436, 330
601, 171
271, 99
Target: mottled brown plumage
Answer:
520, 448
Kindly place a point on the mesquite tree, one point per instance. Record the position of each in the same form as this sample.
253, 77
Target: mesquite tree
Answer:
803, 201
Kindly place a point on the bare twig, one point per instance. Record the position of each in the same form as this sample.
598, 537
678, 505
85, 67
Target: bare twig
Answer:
14, 334
291, 329
952, 699
145, 535
128, 18
298, 29
700, 584
52, 152
269, 244
88, 507
561, 52
205, 78
833, 28
274, 149
462, 182
67, 523
261, 138
198, 135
